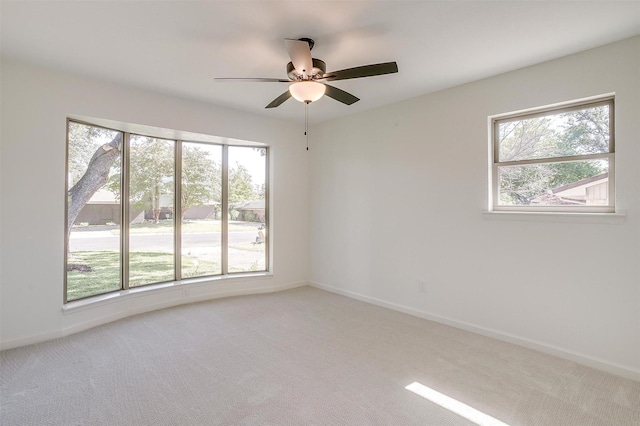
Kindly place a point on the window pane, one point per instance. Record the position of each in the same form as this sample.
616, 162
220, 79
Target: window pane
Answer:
580, 132
247, 197
576, 183
201, 208
93, 211
151, 194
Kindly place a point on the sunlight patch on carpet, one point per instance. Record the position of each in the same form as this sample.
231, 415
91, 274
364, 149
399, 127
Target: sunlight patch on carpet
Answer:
453, 405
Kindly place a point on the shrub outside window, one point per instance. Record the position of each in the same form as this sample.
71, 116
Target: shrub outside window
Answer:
194, 209
555, 159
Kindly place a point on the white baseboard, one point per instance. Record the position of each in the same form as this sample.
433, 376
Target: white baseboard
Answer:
174, 298
619, 370
30, 340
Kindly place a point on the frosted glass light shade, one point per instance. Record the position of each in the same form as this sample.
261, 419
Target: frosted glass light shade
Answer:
307, 91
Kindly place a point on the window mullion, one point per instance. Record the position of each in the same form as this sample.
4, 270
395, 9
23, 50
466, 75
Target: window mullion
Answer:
267, 213
124, 208
67, 225
177, 210
225, 210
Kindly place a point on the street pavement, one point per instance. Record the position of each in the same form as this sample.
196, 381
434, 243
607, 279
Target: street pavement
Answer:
105, 240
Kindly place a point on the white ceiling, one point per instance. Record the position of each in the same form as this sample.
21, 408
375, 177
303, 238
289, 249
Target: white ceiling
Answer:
178, 47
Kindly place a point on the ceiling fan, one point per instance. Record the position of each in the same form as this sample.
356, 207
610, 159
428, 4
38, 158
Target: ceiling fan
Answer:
308, 76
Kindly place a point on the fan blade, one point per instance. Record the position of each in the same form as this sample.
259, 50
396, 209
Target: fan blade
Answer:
279, 100
300, 55
253, 80
363, 71
340, 95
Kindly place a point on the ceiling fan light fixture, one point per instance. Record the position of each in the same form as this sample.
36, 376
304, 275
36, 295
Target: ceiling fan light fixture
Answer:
307, 91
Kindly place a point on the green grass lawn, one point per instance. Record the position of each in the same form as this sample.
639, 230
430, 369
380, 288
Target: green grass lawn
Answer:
166, 227
188, 227
104, 275
144, 268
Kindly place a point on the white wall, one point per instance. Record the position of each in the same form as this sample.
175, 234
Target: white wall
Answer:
399, 194
35, 104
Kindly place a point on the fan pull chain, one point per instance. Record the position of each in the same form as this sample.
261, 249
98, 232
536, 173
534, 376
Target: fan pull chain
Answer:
306, 123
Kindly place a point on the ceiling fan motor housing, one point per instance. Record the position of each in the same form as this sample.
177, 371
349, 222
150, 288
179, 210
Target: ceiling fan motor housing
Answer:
319, 69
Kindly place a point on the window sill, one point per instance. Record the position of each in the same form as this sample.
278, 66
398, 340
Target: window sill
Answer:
559, 217
118, 296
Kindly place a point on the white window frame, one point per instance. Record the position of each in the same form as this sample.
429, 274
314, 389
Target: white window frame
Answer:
495, 164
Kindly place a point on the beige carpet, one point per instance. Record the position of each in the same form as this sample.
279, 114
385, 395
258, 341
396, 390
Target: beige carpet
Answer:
298, 357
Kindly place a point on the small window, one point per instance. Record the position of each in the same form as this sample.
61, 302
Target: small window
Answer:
555, 159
